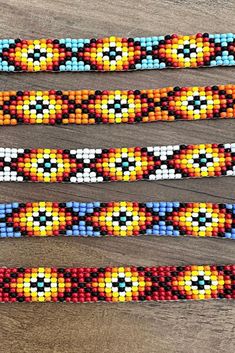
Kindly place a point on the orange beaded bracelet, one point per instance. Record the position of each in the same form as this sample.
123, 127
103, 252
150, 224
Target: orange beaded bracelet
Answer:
88, 107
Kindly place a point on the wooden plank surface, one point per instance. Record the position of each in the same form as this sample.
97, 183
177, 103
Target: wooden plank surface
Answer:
125, 327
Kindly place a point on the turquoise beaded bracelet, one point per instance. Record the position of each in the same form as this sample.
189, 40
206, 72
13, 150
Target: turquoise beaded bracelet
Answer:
118, 54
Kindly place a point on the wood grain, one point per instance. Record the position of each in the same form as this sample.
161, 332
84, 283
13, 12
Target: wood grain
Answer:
146, 327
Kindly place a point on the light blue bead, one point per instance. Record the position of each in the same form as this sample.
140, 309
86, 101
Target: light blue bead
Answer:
156, 65
155, 42
213, 63
149, 231
162, 65
219, 62
149, 204
17, 235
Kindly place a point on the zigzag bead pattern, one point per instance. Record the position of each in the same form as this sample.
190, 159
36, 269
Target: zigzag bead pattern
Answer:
122, 218
117, 284
117, 164
88, 107
117, 54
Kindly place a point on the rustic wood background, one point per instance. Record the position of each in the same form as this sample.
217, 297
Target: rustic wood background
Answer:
139, 328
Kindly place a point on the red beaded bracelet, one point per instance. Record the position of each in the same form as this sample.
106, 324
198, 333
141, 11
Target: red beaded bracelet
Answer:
117, 284
88, 107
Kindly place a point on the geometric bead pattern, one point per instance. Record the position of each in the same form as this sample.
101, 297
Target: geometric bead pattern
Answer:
88, 107
121, 218
118, 54
117, 164
117, 284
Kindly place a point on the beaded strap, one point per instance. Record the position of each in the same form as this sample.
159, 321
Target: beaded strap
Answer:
118, 54
117, 164
117, 284
89, 107
122, 218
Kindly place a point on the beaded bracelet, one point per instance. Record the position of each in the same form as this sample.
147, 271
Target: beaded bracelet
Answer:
118, 54
116, 164
117, 284
122, 218
89, 107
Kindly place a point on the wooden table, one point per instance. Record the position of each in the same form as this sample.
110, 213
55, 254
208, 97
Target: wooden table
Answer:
148, 327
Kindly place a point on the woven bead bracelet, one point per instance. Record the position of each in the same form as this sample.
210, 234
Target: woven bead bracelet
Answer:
89, 107
117, 164
117, 284
118, 54
122, 218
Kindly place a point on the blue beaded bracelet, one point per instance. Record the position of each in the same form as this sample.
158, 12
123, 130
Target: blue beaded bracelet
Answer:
122, 218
